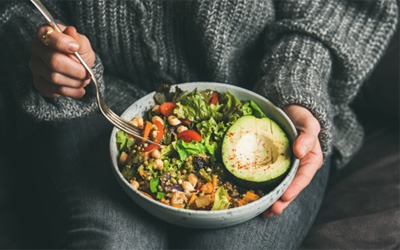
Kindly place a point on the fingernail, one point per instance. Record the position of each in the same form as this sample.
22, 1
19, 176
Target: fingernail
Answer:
73, 46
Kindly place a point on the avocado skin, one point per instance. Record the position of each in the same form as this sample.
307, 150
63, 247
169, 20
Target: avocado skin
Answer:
265, 186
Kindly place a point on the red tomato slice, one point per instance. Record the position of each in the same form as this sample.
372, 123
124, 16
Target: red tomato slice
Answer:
160, 131
189, 135
214, 98
167, 108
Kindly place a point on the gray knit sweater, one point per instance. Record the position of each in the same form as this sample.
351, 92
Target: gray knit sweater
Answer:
315, 53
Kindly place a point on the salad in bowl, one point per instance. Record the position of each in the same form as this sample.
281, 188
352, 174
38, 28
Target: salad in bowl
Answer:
216, 150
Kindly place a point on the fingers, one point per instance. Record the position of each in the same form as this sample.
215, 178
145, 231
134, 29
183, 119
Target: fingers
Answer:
308, 167
51, 90
56, 70
308, 149
54, 84
58, 62
58, 41
85, 49
57, 78
308, 128
304, 143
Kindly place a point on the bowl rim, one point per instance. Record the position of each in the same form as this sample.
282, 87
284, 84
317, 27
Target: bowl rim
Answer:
293, 167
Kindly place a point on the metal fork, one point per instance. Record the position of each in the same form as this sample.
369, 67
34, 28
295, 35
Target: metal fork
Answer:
115, 119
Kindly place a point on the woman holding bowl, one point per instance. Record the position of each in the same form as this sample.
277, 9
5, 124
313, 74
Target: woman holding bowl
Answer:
308, 57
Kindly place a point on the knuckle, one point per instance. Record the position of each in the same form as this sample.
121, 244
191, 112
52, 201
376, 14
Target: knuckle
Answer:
59, 43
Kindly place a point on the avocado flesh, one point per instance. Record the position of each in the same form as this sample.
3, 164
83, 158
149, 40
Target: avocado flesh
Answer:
256, 151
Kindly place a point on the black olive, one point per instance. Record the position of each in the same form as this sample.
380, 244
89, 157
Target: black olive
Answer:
199, 162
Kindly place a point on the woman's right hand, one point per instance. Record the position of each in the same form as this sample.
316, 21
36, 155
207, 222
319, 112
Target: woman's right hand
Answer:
56, 71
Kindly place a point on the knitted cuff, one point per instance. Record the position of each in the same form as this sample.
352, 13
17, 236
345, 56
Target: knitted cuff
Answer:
296, 71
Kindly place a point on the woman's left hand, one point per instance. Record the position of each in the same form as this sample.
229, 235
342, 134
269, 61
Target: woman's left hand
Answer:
308, 149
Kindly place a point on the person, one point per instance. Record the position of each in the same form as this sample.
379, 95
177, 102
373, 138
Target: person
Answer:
308, 57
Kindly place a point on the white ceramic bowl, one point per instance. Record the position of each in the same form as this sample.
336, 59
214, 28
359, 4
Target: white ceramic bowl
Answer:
207, 219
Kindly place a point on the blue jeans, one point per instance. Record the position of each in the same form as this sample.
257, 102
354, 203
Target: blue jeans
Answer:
92, 210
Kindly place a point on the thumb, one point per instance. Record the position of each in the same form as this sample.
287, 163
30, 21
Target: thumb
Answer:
85, 49
304, 143
308, 127
71, 31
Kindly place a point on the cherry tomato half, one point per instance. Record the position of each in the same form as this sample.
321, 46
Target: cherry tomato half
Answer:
189, 135
167, 108
214, 98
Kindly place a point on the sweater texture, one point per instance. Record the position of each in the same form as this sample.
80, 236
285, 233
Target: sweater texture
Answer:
314, 53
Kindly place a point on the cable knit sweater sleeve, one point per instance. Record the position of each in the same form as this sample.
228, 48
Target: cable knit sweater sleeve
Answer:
322, 51
20, 19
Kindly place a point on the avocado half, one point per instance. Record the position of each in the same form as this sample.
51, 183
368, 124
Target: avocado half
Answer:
256, 151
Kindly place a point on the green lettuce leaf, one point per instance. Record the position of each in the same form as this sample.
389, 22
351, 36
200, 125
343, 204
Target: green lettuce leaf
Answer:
211, 131
154, 184
257, 112
124, 141
194, 107
246, 109
186, 149
232, 107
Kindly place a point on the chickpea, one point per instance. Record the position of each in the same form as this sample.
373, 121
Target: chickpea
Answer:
178, 199
173, 120
123, 158
156, 154
158, 164
154, 134
181, 128
138, 122
156, 109
157, 118
187, 186
135, 184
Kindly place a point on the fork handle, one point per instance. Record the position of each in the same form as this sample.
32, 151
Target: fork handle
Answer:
43, 10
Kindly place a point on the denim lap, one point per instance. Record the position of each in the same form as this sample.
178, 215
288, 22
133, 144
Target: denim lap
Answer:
96, 213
